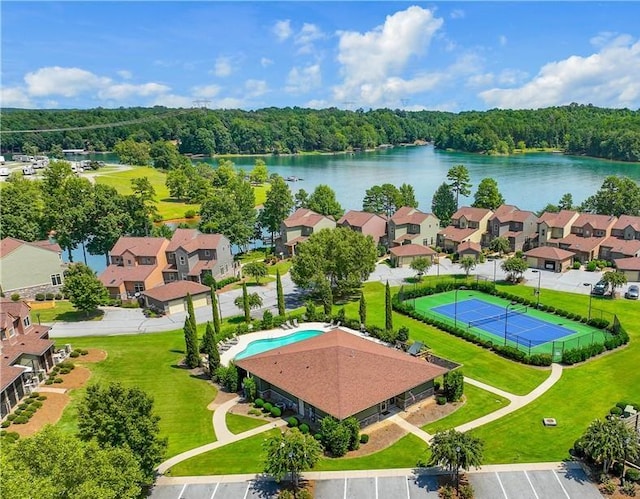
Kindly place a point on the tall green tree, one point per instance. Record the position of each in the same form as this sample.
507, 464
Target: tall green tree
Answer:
246, 306
145, 194
301, 199
327, 299
455, 451
165, 155
388, 309
323, 200
421, 265
22, 213
83, 288
260, 172
192, 357
488, 196
277, 206
53, 464
407, 196
131, 152
453, 385
566, 202
515, 267
444, 204
467, 263
362, 309
116, 416
211, 350
291, 452
615, 279
109, 220
459, 182
191, 313
617, 196
214, 309
610, 440
257, 270
280, 294
382, 199
500, 245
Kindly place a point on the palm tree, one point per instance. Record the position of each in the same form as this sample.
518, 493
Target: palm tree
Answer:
454, 451
615, 279
608, 441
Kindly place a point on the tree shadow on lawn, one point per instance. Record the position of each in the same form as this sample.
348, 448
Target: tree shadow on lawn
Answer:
78, 316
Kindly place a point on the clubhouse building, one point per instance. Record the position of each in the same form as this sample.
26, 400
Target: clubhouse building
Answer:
341, 374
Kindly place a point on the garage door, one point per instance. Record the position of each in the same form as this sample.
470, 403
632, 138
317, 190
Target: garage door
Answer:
176, 306
200, 302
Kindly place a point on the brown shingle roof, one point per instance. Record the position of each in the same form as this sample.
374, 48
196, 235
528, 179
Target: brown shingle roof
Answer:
192, 240
628, 263
9, 244
509, 213
409, 215
340, 373
469, 245
470, 213
557, 219
411, 250
357, 218
304, 217
627, 220
139, 246
578, 243
175, 290
626, 247
455, 234
599, 222
114, 275
550, 253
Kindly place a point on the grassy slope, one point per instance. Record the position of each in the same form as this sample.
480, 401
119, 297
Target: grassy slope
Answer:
149, 362
62, 311
238, 423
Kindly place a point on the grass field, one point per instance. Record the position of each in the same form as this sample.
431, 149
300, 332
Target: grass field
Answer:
168, 208
62, 311
238, 423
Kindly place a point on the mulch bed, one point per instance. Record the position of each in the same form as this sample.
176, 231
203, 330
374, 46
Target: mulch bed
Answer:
429, 411
75, 379
381, 436
94, 355
49, 413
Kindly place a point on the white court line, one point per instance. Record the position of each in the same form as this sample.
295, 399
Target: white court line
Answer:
180, 494
504, 492
345, 488
215, 490
532, 487
376, 487
246, 492
560, 483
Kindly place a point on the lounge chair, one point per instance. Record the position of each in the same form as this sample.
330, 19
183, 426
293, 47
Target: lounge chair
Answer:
285, 326
295, 323
330, 324
337, 324
233, 341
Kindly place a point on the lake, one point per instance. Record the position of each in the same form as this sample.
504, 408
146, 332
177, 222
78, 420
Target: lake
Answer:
529, 181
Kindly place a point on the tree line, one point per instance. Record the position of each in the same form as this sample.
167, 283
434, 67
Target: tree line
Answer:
574, 129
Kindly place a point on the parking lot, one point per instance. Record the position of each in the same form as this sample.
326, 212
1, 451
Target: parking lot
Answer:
569, 483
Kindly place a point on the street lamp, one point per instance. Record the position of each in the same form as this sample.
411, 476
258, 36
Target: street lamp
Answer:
506, 318
590, 297
458, 469
415, 284
455, 307
538, 291
494, 270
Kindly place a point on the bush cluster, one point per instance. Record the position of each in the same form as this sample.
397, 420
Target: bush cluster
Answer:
25, 410
224, 282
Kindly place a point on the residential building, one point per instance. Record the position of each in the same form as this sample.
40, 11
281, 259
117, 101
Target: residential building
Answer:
172, 298
136, 265
626, 227
518, 226
412, 226
467, 224
28, 268
368, 224
549, 258
26, 353
191, 255
630, 267
407, 253
342, 375
613, 248
588, 232
469, 248
298, 227
555, 225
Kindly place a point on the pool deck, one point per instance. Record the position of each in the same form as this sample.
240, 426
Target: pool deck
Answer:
245, 339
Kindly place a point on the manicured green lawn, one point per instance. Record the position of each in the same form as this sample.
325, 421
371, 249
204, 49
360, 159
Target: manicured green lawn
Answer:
283, 266
64, 311
239, 424
478, 363
150, 362
478, 403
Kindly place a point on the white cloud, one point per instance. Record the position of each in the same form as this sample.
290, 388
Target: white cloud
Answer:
123, 91
307, 36
14, 97
206, 91
480, 80
256, 88
302, 80
223, 67
512, 77
125, 74
609, 78
172, 100
373, 62
457, 14
317, 104
282, 30
502, 40
265, 62
67, 82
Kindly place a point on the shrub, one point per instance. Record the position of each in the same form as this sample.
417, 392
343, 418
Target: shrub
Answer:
276, 412
15, 297
259, 403
609, 487
59, 296
66, 364
267, 407
616, 411
436, 386
403, 333
74, 354
21, 419
446, 492
466, 491
11, 417
292, 422
5, 424
317, 436
267, 320
39, 296
592, 266
36, 404
616, 469
190, 214
49, 296
58, 380
49, 382
42, 397
23, 406
286, 494
629, 489
304, 428
29, 412
441, 400
33, 395
364, 438
632, 475
576, 265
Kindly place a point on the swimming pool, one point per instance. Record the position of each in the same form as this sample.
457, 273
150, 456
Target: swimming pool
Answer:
259, 346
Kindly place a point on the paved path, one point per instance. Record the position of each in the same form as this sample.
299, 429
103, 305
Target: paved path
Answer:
220, 429
404, 424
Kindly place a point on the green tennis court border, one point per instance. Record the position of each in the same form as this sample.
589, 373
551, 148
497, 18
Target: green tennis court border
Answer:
584, 334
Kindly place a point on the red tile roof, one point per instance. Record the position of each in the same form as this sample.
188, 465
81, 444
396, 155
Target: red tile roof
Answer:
469, 246
303, 217
192, 240
202, 265
626, 247
455, 234
550, 253
509, 213
340, 373
115, 275
578, 243
175, 290
598, 222
470, 213
9, 244
409, 215
358, 218
627, 220
139, 246
407, 237
411, 250
557, 219
628, 263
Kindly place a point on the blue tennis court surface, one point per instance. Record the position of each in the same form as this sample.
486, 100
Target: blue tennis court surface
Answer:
502, 322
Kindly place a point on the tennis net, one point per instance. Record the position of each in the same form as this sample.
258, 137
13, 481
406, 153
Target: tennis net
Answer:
514, 311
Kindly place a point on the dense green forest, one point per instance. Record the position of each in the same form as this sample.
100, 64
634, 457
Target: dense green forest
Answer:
574, 129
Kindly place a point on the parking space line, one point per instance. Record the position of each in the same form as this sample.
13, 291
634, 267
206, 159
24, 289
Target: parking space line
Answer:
246, 492
560, 483
376, 487
180, 494
407, 484
504, 492
532, 487
215, 490
345, 488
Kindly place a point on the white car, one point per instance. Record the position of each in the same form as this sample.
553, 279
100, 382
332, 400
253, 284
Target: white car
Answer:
4, 172
28, 170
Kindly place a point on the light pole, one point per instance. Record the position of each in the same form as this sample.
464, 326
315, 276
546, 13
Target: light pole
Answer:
590, 297
506, 319
538, 290
494, 271
627, 441
457, 469
455, 307
415, 284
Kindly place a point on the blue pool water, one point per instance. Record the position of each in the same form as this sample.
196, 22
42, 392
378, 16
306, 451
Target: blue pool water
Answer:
259, 346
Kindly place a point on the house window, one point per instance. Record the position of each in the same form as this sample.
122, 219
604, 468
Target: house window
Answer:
138, 287
56, 280
128, 262
184, 276
26, 322
207, 252
542, 232
170, 257
172, 277
183, 260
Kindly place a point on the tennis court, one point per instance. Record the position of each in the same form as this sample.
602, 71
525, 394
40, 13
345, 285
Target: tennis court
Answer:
489, 317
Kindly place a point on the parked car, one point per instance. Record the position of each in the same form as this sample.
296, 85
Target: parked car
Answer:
632, 292
28, 170
4, 172
600, 288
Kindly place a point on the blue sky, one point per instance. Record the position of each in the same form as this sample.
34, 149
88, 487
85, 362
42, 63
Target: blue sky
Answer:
452, 56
